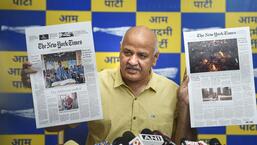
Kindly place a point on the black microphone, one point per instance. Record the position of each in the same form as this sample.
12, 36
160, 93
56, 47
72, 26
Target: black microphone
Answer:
167, 140
214, 141
128, 136
119, 141
146, 131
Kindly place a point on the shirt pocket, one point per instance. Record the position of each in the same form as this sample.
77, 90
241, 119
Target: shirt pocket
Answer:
162, 122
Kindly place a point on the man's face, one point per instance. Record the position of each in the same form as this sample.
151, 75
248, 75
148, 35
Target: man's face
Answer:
136, 58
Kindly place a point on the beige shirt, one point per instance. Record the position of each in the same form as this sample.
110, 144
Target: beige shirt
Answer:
154, 108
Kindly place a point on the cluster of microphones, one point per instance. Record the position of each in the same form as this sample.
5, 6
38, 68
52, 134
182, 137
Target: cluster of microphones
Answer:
148, 137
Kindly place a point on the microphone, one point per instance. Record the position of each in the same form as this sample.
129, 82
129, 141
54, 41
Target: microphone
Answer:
186, 142
167, 140
128, 136
119, 141
146, 131
214, 141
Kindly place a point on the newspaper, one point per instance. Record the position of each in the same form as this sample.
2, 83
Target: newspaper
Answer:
220, 69
65, 89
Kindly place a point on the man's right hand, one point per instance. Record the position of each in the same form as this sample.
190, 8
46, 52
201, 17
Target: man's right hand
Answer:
61, 127
25, 74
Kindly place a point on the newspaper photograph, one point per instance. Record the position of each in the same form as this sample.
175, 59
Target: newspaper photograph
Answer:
221, 80
65, 89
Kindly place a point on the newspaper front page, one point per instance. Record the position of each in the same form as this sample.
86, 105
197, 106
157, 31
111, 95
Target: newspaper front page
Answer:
221, 82
65, 88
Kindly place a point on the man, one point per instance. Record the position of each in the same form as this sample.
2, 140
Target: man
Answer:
134, 98
61, 74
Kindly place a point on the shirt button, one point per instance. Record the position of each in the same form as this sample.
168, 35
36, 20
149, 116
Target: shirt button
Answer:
135, 99
134, 118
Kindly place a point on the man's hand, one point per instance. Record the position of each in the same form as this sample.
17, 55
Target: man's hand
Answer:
183, 90
56, 128
61, 127
183, 129
25, 74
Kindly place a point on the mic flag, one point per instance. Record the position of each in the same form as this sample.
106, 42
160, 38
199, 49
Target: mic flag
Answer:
147, 139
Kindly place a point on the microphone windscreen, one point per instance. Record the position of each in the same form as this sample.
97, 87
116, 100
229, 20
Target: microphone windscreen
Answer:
128, 135
156, 132
146, 131
117, 141
214, 141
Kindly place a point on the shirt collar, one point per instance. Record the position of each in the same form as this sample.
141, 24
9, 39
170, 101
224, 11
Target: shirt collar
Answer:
117, 78
152, 84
